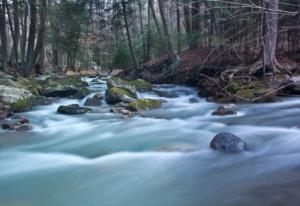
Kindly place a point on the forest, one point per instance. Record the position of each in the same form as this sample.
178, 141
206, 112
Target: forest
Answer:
149, 102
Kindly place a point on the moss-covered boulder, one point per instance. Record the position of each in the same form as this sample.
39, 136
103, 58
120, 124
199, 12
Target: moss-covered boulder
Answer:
116, 82
144, 104
116, 95
141, 85
64, 86
9, 94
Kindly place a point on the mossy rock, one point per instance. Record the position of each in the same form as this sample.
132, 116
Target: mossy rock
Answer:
144, 104
23, 104
82, 92
245, 93
232, 86
120, 83
141, 85
116, 95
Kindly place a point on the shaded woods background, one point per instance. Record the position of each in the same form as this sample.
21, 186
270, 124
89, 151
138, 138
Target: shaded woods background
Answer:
82, 34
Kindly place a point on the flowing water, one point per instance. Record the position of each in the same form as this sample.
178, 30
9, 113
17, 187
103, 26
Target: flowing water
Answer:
161, 158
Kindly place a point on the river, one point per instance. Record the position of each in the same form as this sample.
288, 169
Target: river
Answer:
159, 158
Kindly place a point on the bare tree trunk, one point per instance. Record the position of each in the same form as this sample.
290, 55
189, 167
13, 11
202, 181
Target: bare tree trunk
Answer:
24, 34
14, 58
188, 24
148, 34
170, 46
270, 37
41, 32
142, 29
178, 27
3, 35
151, 5
195, 24
129, 35
31, 38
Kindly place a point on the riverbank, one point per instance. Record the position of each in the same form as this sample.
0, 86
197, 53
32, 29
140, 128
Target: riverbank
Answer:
225, 80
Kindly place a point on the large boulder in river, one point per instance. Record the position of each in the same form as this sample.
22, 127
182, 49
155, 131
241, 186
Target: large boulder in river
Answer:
144, 104
9, 94
141, 85
116, 82
116, 95
228, 142
64, 86
93, 101
72, 109
59, 92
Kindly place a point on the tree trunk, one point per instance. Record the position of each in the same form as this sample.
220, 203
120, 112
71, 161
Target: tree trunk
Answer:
167, 34
195, 24
188, 24
148, 34
142, 29
41, 32
129, 35
31, 38
16, 38
151, 5
24, 34
270, 35
178, 27
3, 36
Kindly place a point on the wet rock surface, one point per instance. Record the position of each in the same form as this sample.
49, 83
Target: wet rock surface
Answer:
228, 142
72, 109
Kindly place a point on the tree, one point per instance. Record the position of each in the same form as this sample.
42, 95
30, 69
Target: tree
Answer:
270, 35
175, 58
133, 55
3, 35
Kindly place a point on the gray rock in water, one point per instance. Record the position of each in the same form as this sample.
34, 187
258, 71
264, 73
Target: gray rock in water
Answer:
93, 101
18, 123
228, 142
228, 109
72, 109
24, 127
193, 100
59, 92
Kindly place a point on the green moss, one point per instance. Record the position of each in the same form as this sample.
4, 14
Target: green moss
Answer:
232, 87
34, 87
115, 82
22, 105
121, 91
245, 93
144, 104
262, 90
141, 85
